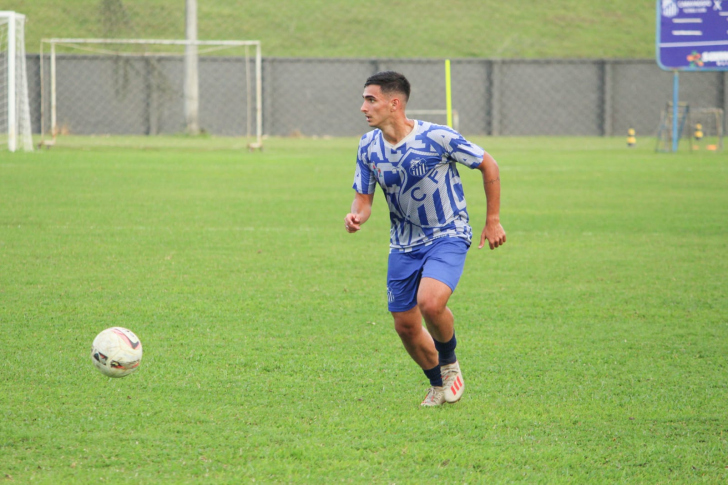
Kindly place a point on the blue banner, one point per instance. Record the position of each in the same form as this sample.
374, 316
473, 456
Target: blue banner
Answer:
692, 35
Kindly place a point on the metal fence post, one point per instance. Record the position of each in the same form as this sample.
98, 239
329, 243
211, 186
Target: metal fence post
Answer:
267, 82
606, 96
150, 107
495, 97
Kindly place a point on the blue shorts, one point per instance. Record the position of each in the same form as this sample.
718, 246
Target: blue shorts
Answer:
443, 260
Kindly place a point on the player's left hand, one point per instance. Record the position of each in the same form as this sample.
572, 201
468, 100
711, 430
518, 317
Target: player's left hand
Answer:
494, 233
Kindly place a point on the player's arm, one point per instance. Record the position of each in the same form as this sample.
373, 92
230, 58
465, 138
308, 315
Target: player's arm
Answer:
493, 231
361, 209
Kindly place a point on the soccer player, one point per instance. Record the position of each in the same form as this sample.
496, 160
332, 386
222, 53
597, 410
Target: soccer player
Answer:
415, 164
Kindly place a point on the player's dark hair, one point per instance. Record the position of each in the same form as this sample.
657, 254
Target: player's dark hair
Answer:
390, 82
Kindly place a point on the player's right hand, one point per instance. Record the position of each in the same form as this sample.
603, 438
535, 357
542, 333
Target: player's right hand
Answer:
352, 223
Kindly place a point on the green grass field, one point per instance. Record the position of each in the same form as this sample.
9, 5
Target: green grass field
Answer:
593, 343
376, 28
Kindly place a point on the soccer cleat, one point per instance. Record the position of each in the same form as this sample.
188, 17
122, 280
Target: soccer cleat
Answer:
435, 397
453, 383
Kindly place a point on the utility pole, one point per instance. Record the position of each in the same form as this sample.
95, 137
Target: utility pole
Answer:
192, 84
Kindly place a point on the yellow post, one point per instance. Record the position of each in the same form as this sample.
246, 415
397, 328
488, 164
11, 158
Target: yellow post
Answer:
448, 93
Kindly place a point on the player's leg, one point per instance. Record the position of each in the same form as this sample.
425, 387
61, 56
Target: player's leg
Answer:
432, 298
421, 347
403, 277
415, 338
441, 274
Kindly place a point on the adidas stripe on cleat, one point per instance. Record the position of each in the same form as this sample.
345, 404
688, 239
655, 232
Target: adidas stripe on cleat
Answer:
453, 382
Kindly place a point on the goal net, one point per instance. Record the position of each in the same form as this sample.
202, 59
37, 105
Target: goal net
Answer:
142, 87
671, 126
15, 130
701, 128
707, 125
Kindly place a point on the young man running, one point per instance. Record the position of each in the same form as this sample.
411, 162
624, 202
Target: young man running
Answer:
414, 162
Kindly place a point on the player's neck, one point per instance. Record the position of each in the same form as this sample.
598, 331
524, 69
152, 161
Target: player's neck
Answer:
397, 130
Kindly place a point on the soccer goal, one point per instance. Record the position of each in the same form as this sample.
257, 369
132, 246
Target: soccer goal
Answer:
140, 87
666, 130
15, 130
707, 125
700, 127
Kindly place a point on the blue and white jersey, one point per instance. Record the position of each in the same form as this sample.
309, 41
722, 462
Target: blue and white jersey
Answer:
421, 182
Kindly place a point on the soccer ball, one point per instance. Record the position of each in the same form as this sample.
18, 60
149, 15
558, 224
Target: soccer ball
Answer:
116, 352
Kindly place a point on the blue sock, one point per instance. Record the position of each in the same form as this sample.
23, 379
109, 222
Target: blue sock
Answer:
446, 351
434, 375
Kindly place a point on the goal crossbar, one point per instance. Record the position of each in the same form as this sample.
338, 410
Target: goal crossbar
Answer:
231, 43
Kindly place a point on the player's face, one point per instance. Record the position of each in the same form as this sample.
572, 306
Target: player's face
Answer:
376, 106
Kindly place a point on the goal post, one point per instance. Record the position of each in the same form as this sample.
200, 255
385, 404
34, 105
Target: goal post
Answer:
136, 86
15, 129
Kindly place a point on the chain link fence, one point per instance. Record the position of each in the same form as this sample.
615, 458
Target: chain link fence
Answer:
142, 94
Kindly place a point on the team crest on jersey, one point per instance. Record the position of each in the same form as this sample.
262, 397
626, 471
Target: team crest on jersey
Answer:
418, 167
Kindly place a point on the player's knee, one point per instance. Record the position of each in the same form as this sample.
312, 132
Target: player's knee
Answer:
406, 329
431, 308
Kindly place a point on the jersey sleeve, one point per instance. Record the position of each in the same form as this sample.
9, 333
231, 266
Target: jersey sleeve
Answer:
364, 180
458, 148
467, 153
